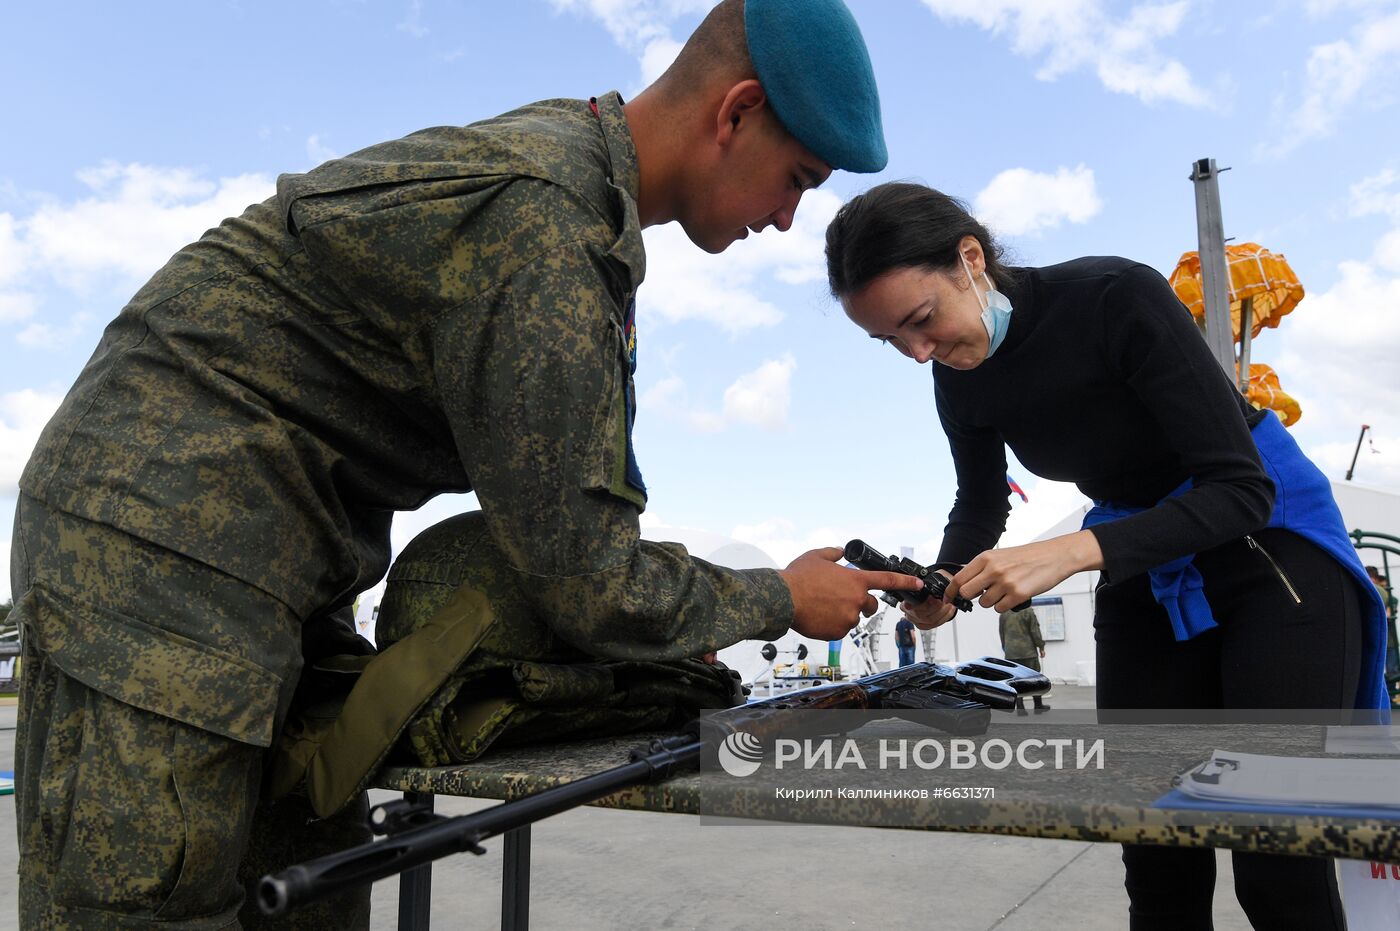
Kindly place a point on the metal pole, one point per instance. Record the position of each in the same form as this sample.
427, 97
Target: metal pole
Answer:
416, 885
1210, 234
1246, 325
1352, 467
515, 881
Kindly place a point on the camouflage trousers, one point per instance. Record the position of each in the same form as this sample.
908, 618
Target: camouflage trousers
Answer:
128, 818
1032, 661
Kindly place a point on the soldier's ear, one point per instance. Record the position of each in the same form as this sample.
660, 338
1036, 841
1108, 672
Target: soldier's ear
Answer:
741, 105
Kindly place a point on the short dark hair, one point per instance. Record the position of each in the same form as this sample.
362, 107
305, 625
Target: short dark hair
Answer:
716, 49
903, 225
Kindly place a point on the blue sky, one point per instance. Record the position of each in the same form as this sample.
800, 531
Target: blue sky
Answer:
128, 129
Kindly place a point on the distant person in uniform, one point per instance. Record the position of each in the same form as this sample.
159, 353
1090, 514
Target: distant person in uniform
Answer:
447, 312
1022, 643
904, 640
1225, 563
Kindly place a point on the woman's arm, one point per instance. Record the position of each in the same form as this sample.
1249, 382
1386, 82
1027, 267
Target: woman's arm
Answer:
1151, 343
1164, 361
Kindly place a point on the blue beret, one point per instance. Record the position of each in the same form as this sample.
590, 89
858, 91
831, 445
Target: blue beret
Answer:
813, 65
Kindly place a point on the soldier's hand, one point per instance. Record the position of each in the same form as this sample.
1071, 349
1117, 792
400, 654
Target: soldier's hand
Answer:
931, 612
828, 599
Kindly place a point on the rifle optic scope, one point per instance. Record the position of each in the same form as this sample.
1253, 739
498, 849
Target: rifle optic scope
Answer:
861, 555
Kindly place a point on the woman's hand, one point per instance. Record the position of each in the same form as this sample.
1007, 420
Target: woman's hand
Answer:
1008, 577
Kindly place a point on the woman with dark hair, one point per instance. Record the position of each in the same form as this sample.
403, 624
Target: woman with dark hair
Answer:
1224, 559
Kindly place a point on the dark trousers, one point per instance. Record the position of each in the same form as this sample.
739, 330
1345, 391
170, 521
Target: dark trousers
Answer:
906, 655
1032, 662
1267, 652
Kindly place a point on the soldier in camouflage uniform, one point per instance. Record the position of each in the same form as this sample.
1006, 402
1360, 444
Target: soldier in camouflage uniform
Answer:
1021, 642
446, 312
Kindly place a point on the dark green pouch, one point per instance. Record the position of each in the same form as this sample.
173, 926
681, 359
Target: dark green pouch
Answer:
531, 702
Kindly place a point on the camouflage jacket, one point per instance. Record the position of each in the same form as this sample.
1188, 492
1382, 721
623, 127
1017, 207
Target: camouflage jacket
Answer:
445, 312
1020, 633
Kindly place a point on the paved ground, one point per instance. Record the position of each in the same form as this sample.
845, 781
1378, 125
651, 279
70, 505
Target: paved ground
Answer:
595, 870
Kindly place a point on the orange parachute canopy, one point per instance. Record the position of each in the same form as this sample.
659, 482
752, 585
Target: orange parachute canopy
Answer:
1264, 393
1256, 273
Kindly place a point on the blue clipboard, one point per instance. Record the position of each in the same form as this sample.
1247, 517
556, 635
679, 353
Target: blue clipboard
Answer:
1178, 799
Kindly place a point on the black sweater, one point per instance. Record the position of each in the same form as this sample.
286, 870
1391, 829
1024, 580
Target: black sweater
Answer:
1104, 380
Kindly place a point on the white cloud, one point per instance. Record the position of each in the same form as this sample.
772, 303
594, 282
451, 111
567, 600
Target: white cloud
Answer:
1388, 251
669, 401
686, 283
1020, 201
1070, 35
1075, 35
642, 27
1376, 194
1349, 335
761, 397
135, 218
781, 539
318, 151
1338, 358
662, 395
1377, 464
1317, 8
14, 253
22, 417
38, 335
635, 24
1380, 194
657, 57
412, 23
1357, 71
16, 306
138, 216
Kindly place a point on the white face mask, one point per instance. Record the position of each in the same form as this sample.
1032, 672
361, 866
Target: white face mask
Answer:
996, 309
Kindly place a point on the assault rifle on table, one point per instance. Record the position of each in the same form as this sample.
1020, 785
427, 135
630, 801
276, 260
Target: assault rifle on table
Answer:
957, 699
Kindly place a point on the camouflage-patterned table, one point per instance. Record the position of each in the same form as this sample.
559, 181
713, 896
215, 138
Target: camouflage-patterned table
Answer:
1112, 804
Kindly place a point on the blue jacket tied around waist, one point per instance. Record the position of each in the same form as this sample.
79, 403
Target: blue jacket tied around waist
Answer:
1303, 504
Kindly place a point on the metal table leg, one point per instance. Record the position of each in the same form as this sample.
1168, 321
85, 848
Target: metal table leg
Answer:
515, 881
416, 885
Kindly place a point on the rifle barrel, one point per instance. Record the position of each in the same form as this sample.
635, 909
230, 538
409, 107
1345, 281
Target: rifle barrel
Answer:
325, 876
959, 697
